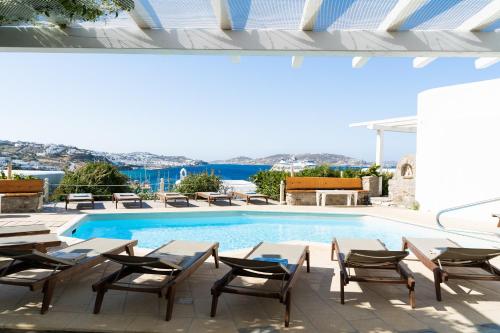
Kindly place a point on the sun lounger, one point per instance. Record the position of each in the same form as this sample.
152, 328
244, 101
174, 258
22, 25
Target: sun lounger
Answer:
126, 197
249, 196
175, 260
212, 197
42, 271
40, 242
371, 254
169, 196
268, 261
24, 230
79, 197
439, 253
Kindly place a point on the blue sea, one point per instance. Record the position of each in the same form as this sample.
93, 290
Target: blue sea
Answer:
171, 175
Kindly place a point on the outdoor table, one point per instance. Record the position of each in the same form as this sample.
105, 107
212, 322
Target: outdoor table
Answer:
322, 194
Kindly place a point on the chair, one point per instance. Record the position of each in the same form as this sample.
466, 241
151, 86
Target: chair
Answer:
175, 260
268, 261
57, 265
371, 254
213, 197
439, 253
168, 196
24, 230
40, 242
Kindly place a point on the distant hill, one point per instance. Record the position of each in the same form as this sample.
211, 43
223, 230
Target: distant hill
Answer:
31, 155
332, 159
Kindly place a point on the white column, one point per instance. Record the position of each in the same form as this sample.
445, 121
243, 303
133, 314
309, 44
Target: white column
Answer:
379, 154
46, 189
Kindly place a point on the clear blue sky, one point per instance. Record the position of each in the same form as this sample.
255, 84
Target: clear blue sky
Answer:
209, 108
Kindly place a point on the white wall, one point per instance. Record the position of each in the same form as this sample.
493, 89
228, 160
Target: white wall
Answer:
458, 148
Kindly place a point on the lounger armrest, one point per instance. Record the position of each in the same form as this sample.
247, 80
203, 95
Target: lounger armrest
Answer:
255, 265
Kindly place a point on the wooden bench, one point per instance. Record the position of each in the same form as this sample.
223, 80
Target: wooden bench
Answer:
296, 187
17, 196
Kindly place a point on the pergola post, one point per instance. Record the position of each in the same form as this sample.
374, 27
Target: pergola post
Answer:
379, 152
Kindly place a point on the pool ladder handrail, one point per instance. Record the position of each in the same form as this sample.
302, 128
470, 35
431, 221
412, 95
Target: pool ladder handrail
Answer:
472, 204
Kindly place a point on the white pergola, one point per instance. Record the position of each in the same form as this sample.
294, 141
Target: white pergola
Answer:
401, 124
422, 29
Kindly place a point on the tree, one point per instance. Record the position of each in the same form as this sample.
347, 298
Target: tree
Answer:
60, 12
200, 182
95, 178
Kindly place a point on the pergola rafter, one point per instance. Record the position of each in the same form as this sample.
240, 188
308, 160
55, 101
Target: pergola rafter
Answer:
396, 17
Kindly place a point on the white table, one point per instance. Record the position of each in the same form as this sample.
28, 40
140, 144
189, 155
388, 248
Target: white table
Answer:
322, 194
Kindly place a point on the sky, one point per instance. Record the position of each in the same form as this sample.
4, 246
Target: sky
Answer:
207, 107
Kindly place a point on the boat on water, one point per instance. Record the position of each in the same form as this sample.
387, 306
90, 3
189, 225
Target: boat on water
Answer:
293, 165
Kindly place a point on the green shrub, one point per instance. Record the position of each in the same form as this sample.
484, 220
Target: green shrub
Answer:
268, 182
320, 171
93, 178
385, 181
199, 182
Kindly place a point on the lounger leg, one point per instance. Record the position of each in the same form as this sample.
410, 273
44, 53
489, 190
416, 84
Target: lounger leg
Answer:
288, 303
342, 301
48, 292
170, 302
437, 283
215, 254
213, 309
187, 202
308, 261
411, 287
98, 300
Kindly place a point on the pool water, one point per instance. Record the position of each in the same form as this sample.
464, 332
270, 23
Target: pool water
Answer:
239, 229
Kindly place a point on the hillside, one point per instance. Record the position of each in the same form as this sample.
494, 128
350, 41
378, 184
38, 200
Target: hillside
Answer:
30, 155
332, 159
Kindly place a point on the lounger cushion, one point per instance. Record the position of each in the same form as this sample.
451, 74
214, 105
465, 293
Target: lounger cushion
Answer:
32, 239
95, 246
23, 229
428, 245
183, 252
346, 245
292, 253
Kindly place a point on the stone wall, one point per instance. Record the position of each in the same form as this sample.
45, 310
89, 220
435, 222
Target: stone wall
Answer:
309, 199
372, 185
402, 185
19, 204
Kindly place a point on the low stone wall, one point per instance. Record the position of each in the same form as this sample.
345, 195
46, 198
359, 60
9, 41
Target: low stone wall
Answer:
14, 204
309, 199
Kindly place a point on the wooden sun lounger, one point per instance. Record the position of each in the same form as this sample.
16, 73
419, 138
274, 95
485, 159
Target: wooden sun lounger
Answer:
39, 242
80, 197
212, 197
250, 196
253, 265
126, 197
169, 196
42, 271
24, 230
175, 260
371, 254
438, 253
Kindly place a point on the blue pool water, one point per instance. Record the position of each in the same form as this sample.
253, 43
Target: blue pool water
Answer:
238, 229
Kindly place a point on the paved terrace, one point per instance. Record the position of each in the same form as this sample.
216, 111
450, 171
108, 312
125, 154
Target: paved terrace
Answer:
467, 306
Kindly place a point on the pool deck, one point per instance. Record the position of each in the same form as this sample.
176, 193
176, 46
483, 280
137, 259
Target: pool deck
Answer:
467, 306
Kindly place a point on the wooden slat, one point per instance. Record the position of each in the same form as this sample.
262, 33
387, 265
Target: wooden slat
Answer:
21, 186
323, 183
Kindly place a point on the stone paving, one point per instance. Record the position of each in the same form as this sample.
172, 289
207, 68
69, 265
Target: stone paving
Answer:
467, 306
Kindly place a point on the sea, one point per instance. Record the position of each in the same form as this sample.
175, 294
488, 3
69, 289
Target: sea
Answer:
224, 171
172, 174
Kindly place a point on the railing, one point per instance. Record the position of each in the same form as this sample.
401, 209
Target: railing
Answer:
468, 205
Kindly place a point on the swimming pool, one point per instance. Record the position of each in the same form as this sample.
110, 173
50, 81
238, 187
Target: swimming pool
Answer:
242, 229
